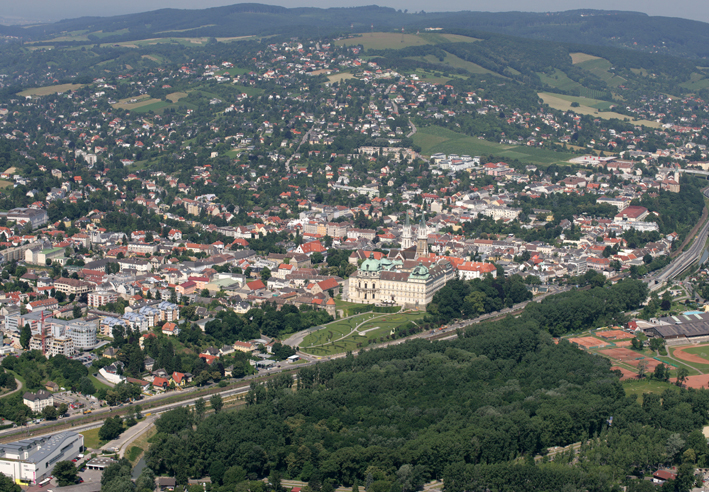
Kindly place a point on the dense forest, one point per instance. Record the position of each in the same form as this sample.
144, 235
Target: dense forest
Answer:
394, 418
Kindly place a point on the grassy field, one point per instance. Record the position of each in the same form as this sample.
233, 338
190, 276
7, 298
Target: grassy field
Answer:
91, 439
50, 89
435, 139
562, 103
455, 62
601, 68
637, 388
582, 57
397, 40
696, 82
330, 341
155, 106
176, 96
339, 77
559, 80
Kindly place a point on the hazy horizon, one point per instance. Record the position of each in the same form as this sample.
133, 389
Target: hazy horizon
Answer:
51, 10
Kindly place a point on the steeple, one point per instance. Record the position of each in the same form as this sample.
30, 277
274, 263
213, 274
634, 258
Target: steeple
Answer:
407, 239
422, 241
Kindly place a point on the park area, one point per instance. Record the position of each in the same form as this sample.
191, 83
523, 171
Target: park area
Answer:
353, 333
434, 139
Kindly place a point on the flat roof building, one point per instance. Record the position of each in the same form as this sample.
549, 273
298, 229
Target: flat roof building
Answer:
33, 459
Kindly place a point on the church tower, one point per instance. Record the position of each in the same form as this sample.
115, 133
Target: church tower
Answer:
422, 241
407, 237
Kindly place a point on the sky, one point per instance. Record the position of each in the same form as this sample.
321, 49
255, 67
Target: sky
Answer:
22, 11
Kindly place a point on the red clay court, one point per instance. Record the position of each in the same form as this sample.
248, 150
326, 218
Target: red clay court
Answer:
631, 357
697, 382
614, 335
621, 353
588, 342
626, 343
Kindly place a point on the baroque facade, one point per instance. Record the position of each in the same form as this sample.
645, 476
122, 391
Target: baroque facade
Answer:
398, 281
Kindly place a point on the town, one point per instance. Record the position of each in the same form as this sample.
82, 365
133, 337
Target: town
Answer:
171, 230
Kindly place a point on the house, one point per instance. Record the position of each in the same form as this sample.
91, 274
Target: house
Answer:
180, 379
170, 329
37, 401
243, 346
160, 383
165, 483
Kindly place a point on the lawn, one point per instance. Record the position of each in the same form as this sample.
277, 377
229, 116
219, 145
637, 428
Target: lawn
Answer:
434, 139
641, 386
98, 384
377, 329
91, 439
560, 80
345, 306
50, 89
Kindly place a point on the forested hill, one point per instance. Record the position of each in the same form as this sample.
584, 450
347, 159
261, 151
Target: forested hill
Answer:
637, 31
471, 411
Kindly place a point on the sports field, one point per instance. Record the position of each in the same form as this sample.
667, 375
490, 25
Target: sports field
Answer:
434, 139
356, 332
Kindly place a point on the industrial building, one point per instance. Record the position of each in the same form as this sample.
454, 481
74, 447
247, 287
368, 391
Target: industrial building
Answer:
690, 327
32, 460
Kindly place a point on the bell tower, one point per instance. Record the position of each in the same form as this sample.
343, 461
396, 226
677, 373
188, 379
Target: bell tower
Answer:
422, 241
407, 237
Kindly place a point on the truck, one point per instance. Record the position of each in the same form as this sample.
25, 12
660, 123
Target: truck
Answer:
87, 411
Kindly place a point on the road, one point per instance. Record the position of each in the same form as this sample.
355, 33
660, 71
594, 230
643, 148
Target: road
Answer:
413, 129
129, 435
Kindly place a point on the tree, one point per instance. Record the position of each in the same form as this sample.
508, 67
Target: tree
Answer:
86, 386
49, 412
7, 485
265, 273
25, 336
317, 257
146, 480
682, 374
65, 472
63, 408
199, 407
111, 428
76, 312
216, 402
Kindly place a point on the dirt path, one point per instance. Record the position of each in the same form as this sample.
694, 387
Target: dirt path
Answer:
19, 387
